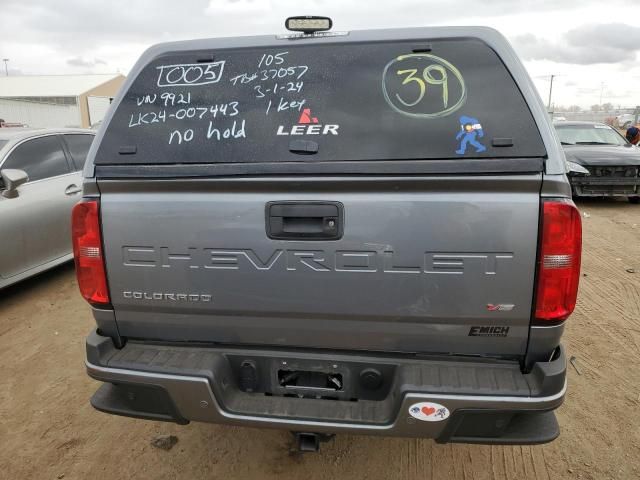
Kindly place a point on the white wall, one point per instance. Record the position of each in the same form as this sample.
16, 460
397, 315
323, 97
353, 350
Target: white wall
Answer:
39, 114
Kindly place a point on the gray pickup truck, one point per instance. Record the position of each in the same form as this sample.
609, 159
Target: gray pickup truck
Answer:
368, 232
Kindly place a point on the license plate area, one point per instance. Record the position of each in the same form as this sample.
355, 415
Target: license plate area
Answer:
311, 380
317, 378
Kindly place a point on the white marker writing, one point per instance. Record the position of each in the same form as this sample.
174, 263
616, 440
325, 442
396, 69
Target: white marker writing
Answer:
187, 136
190, 74
234, 131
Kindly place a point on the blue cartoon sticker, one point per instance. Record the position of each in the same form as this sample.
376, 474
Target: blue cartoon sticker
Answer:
470, 132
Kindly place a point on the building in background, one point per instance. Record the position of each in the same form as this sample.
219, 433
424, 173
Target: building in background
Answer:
57, 100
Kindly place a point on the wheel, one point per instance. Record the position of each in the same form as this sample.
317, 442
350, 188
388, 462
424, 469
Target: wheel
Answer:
634, 200
626, 125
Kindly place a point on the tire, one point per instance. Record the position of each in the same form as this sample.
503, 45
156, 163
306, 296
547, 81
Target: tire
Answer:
634, 200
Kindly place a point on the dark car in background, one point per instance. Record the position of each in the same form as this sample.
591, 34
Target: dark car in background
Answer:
602, 163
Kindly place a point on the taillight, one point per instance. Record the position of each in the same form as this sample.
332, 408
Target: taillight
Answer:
559, 261
87, 251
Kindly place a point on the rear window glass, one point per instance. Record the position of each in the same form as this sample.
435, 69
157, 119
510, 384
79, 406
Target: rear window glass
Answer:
78, 146
351, 102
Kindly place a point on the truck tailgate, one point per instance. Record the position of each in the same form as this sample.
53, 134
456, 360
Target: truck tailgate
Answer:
430, 264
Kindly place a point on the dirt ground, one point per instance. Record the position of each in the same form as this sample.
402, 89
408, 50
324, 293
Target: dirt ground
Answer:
48, 429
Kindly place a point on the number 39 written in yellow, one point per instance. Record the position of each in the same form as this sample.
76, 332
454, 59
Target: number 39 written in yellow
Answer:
427, 78
422, 76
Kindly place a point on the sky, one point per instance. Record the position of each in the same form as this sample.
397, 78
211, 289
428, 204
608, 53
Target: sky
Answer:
590, 45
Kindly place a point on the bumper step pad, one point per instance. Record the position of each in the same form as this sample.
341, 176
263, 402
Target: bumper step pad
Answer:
489, 402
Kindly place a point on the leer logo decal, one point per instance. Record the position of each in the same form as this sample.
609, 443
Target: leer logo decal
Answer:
308, 125
305, 117
429, 412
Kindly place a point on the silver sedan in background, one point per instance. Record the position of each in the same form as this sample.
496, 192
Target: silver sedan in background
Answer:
40, 181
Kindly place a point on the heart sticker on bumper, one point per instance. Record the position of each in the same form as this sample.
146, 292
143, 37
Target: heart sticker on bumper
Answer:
429, 411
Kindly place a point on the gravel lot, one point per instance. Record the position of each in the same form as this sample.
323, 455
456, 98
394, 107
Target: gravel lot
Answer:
48, 429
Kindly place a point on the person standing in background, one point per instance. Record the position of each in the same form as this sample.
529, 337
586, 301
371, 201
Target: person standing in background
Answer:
633, 135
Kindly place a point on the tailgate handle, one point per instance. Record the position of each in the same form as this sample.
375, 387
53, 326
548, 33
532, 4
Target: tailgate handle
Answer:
304, 220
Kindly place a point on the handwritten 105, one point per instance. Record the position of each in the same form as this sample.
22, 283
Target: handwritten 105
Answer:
268, 59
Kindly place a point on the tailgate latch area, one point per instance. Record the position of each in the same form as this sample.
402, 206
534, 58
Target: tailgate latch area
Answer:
304, 220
